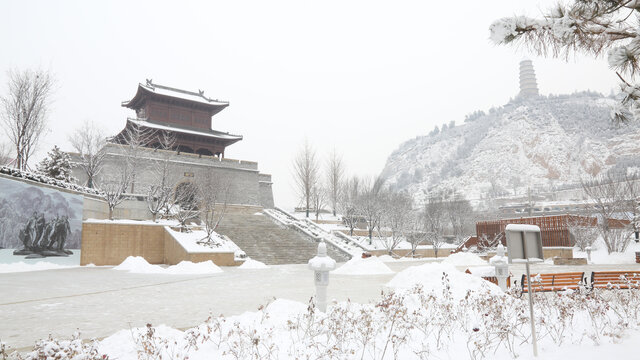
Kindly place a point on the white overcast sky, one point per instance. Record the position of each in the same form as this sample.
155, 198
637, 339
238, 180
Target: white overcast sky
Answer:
357, 76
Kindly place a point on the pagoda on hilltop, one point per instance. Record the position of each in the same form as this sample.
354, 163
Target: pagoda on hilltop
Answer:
185, 114
528, 83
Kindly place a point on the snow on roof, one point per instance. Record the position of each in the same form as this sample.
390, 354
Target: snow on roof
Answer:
181, 94
522, 227
212, 133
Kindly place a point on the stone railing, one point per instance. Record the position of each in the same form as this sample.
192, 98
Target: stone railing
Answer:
313, 231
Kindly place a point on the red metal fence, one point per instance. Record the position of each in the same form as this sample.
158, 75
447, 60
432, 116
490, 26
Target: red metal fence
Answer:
554, 230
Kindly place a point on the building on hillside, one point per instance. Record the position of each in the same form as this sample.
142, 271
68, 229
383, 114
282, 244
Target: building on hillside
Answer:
198, 150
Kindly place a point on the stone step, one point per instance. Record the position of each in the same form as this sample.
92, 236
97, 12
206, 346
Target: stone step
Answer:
264, 240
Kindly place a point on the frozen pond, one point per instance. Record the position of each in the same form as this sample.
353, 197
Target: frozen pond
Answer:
7, 257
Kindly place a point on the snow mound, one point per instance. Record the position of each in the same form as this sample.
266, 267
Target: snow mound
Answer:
464, 259
24, 267
138, 265
121, 345
483, 271
360, 266
253, 264
284, 309
190, 268
430, 277
497, 258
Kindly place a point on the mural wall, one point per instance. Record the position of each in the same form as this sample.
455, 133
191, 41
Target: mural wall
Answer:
39, 221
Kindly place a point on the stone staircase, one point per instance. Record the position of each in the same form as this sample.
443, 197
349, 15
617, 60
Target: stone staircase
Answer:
264, 240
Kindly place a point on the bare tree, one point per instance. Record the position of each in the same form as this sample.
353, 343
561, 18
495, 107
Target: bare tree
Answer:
348, 204
24, 111
416, 233
306, 173
460, 215
136, 138
632, 204
5, 154
490, 242
370, 204
160, 191
397, 216
213, 191
89, 142
335, 175
609, 195
184, 206
114, 187
318, 199
583, 230
434, 217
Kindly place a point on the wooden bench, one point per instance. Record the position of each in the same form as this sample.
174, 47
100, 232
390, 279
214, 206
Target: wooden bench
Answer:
553, 282
615, 280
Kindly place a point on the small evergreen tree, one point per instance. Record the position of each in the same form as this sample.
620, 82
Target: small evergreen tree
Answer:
57, 165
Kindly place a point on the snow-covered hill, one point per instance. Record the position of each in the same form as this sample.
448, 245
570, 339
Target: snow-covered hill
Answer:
546, 142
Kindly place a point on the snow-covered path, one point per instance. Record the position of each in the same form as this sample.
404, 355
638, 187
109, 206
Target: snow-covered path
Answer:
99, 301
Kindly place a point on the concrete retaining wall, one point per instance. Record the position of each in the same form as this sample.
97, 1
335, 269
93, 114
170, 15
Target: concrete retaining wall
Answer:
174, 253
111, 244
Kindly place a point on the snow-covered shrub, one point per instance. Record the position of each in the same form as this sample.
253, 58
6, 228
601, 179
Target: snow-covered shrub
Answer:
73, 349
407, 324
47, 180
57, 165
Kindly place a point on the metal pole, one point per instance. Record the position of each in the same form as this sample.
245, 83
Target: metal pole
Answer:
533, 325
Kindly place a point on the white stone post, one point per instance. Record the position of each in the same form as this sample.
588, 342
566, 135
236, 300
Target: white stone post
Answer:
321, 264
502, 267
588, 248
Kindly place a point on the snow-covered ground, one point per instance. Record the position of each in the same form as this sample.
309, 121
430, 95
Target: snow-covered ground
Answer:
382, 243
450, 315
38, 266
599, 254
190, 242
138, 265
17, 263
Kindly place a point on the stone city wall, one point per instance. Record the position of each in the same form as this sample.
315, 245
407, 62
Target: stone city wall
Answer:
248, 186
266, 192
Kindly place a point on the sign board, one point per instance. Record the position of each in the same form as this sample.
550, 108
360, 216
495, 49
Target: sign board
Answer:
524, 243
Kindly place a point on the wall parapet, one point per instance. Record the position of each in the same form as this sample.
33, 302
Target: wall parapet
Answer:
158, 154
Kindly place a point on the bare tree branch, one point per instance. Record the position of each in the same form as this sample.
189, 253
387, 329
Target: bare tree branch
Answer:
24, 111
89, 142
306, 173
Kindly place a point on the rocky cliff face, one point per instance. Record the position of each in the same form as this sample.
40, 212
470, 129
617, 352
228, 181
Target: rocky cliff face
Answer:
545, 142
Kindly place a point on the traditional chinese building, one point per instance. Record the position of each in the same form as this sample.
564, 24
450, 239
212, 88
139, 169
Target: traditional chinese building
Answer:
187, 115
198, 150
